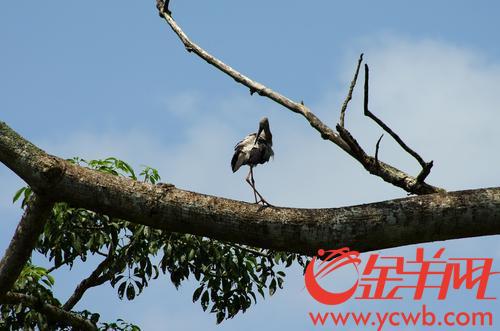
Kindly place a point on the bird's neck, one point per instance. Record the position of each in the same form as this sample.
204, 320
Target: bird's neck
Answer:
267, 136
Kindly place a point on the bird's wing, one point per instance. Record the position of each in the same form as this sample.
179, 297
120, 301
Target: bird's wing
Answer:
241, 150
250, 139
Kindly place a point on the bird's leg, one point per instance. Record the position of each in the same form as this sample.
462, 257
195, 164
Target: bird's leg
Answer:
252, 183
264, 202
255, 192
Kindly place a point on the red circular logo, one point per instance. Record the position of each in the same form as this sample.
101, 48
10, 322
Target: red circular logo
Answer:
331, 260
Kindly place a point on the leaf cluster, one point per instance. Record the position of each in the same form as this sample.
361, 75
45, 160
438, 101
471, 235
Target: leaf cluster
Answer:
34, 281
228, 276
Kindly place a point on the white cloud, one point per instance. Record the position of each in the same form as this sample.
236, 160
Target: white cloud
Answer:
185, 105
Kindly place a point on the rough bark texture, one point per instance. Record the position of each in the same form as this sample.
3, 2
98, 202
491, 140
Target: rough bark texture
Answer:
23, 241
367, 227
52, 312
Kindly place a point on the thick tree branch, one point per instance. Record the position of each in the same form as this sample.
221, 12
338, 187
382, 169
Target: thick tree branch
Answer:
387, 172
52, 312
364, 227
24, 240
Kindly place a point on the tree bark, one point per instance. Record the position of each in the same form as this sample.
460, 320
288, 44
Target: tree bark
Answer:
366, 227
23, 242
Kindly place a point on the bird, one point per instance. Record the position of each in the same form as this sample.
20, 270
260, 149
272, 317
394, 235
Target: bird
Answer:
255, 148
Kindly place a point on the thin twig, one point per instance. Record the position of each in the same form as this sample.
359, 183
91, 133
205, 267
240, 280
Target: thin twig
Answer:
351, 89
55, 267
248, 249
101, 253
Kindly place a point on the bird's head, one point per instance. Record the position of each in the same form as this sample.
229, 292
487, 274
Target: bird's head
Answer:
263, 126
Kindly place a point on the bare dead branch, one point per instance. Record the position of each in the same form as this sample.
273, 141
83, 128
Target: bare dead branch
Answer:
356, 149
165, 7
253, 86
377, 225
377, 147
426, 167
425, 172
52, 312
351, 89
24, 240
387, 172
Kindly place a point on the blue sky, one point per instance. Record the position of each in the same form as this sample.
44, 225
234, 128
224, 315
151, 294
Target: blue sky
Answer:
99, 79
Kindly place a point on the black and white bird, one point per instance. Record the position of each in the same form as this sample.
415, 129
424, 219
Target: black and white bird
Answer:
254, 149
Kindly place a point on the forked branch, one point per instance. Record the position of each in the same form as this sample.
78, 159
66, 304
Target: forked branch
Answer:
426, 166
385, 171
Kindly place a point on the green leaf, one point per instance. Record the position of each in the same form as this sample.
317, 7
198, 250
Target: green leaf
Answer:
205, 298
130, 291
191, 254
220, 317
280, 282
116, 280
94, 318
197, 293
253, 296
272, 287
18, 194
121, 289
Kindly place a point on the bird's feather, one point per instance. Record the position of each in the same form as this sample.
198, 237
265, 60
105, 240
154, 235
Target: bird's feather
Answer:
251, 152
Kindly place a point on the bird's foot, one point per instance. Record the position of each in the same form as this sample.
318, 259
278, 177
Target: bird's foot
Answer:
264, 202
